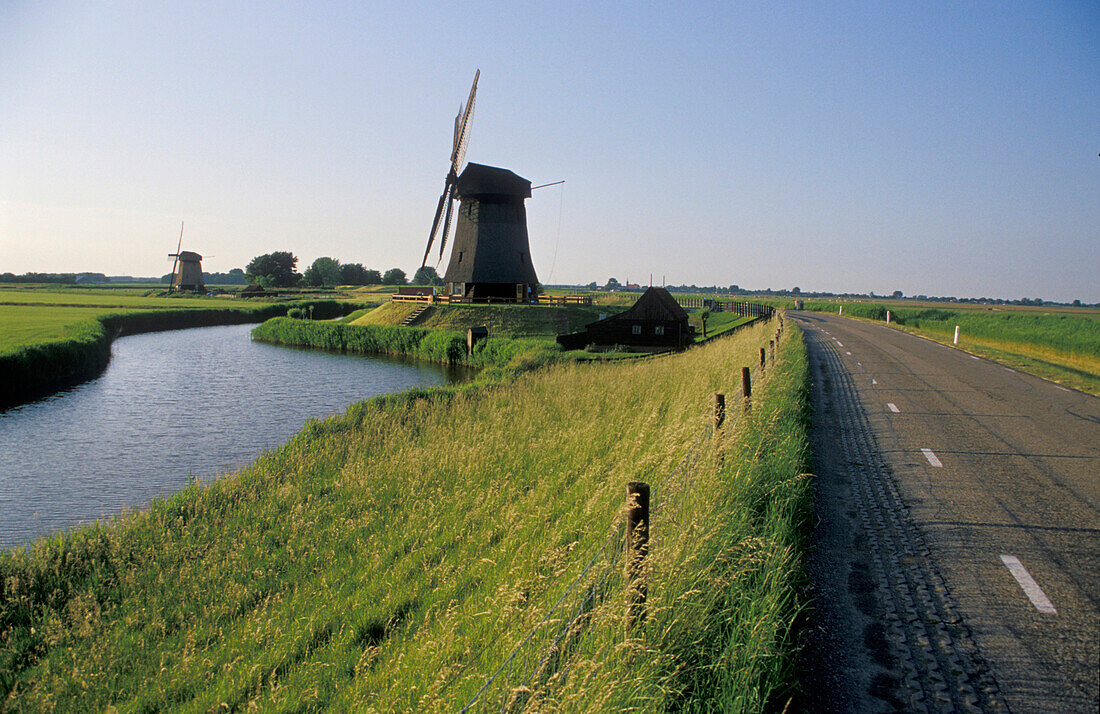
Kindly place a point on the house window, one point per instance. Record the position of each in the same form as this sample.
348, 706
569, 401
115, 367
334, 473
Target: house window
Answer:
659, 330
637, 329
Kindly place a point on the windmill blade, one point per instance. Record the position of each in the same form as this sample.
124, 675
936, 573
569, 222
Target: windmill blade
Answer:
435, 224
176, 255
447, 220
462, 129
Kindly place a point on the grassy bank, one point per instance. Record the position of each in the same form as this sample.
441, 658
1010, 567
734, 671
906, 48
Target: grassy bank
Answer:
1061, 345
445, 346
510, 320
49, 347
392, 558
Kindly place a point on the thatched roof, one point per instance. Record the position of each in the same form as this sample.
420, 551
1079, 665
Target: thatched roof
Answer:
654, 304
482, 180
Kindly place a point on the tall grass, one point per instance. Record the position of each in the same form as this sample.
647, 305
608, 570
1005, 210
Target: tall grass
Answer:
390, 558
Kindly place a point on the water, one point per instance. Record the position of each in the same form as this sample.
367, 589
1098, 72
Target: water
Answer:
172, 406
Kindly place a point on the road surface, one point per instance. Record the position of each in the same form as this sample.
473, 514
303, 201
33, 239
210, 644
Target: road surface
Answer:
956, 554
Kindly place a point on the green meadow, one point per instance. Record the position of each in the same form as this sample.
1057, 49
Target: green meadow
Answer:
392, 559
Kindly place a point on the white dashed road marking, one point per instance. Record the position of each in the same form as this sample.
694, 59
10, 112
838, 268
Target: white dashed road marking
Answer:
931, 458
893, 407
1031, 588
847, 352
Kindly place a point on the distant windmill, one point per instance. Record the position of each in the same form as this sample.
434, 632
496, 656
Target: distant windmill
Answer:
186, 268
491, 257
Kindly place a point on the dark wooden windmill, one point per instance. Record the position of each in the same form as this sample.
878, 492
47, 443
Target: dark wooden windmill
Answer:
491, 256
186, 268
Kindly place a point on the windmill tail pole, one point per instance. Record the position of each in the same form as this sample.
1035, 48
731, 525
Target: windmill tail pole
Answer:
535, 188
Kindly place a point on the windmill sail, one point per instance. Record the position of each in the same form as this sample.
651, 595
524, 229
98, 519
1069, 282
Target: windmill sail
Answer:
175, 255
458, 155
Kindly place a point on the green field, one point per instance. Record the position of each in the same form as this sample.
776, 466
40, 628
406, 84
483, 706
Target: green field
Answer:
31, 316
1059, 344
392, 558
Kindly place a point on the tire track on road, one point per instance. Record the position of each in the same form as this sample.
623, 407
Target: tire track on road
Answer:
932, 663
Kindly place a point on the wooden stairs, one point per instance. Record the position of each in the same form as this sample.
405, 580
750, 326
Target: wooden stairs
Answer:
415, 315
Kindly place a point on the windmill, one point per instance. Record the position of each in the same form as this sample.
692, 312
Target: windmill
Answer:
458, 155
186, 268
491, 256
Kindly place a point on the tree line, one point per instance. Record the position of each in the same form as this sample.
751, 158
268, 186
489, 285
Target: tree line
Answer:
279, 269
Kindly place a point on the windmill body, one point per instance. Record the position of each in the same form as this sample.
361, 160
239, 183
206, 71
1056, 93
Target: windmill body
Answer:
188, 272
491, 256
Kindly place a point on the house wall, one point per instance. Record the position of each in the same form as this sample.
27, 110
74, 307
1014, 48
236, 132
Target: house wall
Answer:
621, 332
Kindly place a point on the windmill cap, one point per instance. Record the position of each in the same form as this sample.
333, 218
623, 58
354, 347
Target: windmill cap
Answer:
189, 256
481, 180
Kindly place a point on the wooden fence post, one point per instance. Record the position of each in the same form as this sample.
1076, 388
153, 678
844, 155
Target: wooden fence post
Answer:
719, 410
761, 358
637, 546
771, 349
746, 383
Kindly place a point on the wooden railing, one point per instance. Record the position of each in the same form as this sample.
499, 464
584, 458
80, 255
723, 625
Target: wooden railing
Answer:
565, 300
558, 300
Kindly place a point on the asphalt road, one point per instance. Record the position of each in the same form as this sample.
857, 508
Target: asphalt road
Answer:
956, 556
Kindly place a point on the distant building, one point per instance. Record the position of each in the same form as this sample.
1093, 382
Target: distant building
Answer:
655, 321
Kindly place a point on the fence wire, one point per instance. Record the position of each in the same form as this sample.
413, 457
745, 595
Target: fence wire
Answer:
544, 652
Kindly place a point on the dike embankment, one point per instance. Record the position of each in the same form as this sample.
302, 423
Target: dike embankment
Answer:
36, 371
441, 346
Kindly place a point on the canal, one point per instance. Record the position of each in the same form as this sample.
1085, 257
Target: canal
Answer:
173, 406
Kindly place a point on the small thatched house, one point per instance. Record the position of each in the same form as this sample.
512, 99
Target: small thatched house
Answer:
656, 321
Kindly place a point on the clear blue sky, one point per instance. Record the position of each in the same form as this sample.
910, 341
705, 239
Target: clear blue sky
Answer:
938, 148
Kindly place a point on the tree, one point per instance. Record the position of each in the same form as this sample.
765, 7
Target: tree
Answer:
704, 315
612, 284
426, 275
898, 295
796, 290
355, 274
373, 277
394, 276
274, 269
323, 271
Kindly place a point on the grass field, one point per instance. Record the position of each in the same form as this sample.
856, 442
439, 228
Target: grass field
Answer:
31, 316
390, 559
1059, 344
